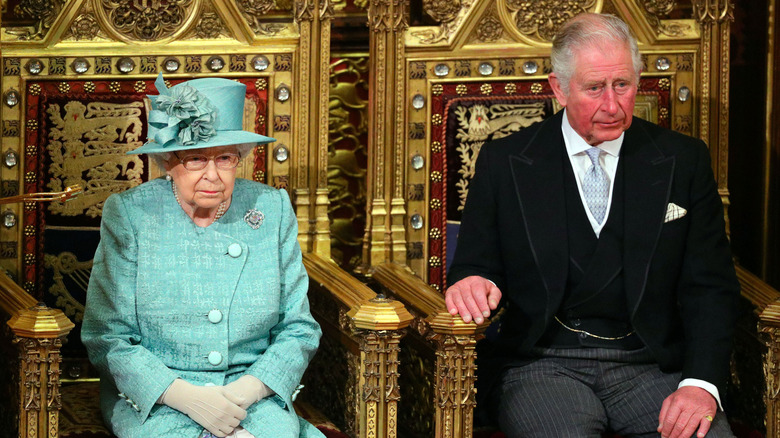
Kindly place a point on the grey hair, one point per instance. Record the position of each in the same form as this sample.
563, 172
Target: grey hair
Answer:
160, 158
589, 30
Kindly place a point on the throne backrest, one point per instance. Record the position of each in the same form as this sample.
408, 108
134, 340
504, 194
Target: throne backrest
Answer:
481, 73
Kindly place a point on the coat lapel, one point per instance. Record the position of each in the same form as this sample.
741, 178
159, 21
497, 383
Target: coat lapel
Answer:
537, 171
648, 181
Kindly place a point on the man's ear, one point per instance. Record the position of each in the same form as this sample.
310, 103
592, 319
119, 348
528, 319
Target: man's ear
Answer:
555, 84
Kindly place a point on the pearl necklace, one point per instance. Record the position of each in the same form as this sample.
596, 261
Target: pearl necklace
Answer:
220, 210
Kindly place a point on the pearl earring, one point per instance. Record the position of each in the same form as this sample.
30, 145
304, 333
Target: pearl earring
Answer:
168, 177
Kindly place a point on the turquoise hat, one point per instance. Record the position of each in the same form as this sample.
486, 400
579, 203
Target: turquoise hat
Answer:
200, 113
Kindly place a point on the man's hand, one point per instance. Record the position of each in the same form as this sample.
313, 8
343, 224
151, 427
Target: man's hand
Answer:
472, 297
686, 410
210, 406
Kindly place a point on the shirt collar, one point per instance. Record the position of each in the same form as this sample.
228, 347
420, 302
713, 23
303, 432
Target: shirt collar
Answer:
575, 144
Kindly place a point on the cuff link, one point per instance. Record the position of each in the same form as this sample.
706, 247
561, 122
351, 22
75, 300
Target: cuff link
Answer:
130, 402
296, 392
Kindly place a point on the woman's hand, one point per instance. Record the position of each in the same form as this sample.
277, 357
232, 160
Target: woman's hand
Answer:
248, 388
213, 407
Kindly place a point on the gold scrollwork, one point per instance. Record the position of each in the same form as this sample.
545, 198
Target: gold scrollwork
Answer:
655, 9
448, 13
44, 12
253, 10
304, 10
210, 26
91, 140
67, 264
148, 20
84, 27
442, 11
489, 28
713, 11
541, 20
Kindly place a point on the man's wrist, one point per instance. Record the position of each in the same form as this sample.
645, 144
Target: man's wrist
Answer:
703, 384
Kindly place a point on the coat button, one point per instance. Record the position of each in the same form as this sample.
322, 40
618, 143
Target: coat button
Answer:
234, 250
215, 316
215, 358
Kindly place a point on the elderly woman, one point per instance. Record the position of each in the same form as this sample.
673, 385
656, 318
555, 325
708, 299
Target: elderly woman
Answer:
197, 316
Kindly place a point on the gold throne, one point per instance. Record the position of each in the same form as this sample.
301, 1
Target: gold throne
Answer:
454, 75
74, 79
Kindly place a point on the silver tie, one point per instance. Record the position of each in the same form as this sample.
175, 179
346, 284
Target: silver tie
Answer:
595, 186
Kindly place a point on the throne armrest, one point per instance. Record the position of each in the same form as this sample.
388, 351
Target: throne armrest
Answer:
454, 343
766, 304
353, 378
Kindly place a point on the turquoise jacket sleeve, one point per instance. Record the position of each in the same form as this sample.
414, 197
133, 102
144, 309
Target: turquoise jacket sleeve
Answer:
110, 329
294, 339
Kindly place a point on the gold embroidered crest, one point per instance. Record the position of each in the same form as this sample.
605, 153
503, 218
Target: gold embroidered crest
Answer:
87, 145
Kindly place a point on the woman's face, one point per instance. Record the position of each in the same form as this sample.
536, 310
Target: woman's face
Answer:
205, 188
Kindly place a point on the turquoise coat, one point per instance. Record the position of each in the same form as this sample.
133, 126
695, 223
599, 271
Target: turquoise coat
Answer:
168, 299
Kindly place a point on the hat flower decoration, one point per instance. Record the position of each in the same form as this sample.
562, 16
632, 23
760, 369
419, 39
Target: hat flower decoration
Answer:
183, 113
199, 113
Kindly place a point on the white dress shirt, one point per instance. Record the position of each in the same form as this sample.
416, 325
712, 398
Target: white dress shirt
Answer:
580, 163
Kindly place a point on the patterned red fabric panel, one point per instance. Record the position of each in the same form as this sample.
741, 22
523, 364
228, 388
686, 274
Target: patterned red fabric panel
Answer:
466, 115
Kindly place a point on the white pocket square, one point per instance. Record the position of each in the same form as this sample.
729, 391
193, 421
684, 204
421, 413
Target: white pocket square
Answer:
674, 212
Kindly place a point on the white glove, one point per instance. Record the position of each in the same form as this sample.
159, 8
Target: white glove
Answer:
249, 389
212, 407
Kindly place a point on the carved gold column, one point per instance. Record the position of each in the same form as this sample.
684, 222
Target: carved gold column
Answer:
320, 129
385, 237
769, 329
454, 342
379, 324
455, 375
311, 111
39, 332
715, 17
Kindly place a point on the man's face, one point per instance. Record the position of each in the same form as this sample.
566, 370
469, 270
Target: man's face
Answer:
602, 90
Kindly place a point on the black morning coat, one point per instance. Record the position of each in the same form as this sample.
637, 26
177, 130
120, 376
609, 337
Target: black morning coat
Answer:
680, 284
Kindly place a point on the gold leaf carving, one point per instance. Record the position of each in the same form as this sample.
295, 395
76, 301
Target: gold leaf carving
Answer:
66, 264
210, 26
253, 10
443, 11
489, 28
540, 20
655, 9
146, 20
44, 12
87, 147
84, 27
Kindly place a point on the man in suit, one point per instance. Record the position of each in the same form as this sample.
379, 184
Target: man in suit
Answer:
602, 236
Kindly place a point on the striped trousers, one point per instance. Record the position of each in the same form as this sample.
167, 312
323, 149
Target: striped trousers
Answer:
583, 392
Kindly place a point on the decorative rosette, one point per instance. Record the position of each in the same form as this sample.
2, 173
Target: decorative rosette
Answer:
182, 114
